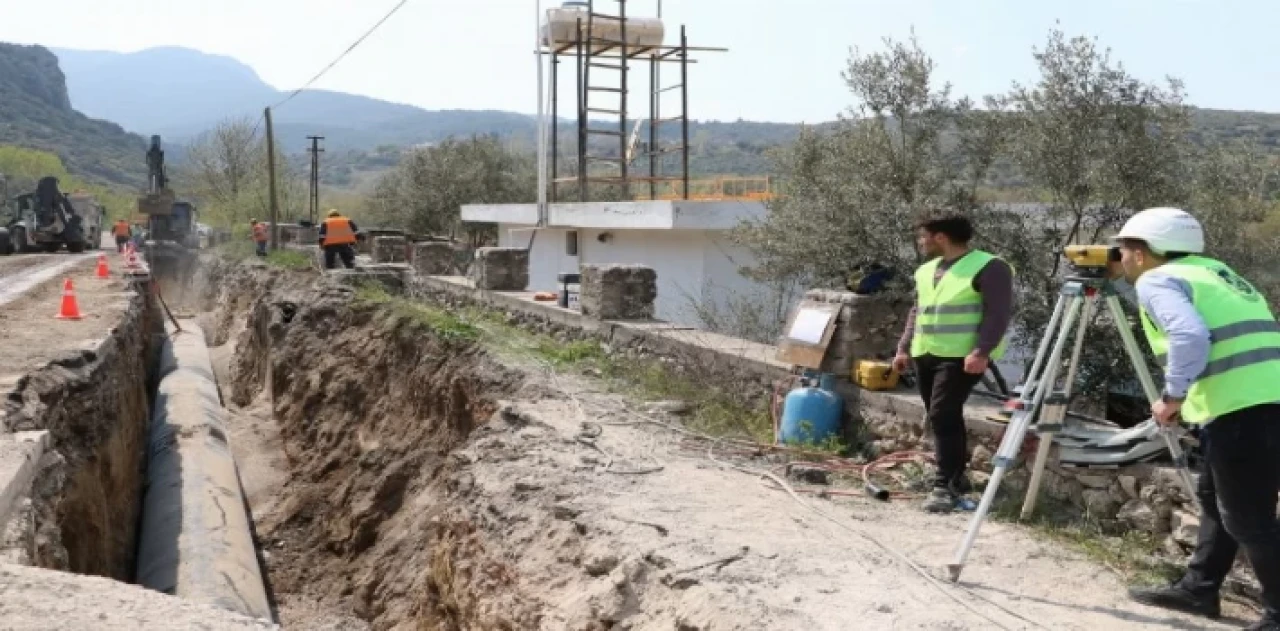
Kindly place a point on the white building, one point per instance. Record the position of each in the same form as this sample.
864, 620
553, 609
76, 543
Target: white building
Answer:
685, 242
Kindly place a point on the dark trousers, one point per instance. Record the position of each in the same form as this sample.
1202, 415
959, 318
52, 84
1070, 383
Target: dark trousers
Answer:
262, 247
120, 241
944, 387
345, 252
1238, 492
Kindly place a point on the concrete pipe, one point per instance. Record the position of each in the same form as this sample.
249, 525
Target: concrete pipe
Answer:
195, 539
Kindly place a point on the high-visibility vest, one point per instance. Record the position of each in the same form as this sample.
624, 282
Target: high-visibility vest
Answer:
948, 313
260, 232
121, 229
337, 231
1244, 340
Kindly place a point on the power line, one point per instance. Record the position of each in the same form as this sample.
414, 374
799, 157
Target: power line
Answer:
344, 53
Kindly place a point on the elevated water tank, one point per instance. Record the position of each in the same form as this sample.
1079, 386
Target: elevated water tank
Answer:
561, 28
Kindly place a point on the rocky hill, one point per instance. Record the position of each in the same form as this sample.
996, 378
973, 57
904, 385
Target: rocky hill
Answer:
36, 112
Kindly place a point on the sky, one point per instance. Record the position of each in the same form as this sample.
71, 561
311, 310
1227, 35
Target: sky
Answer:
784, 61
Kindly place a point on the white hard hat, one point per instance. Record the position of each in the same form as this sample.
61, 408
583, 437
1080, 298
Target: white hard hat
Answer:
1165, 230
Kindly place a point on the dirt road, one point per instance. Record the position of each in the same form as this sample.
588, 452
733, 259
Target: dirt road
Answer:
31, 294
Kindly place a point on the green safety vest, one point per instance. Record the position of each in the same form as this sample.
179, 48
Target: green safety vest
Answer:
1244, 340
948, 314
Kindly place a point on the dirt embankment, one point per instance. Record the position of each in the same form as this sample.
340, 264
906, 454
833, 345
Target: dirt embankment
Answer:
94, 402
370, 405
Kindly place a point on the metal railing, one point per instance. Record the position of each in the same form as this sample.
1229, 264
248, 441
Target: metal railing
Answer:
722, 188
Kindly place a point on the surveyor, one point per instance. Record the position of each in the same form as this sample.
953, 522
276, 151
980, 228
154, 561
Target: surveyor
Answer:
260, 236
964, 303
122, 232
337, 236
1220, 345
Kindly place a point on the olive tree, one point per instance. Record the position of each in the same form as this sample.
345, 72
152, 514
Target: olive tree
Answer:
853, 196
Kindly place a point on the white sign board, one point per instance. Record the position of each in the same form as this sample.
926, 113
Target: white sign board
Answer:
809, 326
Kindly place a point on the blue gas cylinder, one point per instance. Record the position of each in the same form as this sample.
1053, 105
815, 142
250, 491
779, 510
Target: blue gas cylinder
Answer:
811, 413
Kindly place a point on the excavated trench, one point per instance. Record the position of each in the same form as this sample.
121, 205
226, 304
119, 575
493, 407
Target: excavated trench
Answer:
370, 407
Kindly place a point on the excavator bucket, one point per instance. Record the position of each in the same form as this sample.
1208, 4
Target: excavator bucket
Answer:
160, 203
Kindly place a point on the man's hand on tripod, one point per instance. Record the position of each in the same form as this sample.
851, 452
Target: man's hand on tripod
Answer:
975, 363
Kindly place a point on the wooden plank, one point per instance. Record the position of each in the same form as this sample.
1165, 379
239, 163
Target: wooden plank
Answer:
808, 333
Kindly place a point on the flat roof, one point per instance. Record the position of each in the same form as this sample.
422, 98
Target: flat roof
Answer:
644, 215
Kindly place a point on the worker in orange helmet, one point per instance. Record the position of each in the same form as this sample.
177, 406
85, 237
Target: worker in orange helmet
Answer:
337, 238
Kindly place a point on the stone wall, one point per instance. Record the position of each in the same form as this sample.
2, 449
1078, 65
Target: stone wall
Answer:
432, 258
501, 269
749, 379
390, 249
618, 292
868, 327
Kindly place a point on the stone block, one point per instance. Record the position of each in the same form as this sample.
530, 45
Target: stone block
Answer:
867, 327
618, 292
433, 258
501, 269
389, 249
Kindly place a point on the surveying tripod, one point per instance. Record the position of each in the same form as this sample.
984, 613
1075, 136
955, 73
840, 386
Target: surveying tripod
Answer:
1044, 405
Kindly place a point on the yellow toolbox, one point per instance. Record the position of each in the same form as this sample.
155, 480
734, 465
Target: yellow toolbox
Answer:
875, 375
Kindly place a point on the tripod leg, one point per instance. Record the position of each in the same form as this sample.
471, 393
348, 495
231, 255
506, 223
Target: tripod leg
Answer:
1030, 380
1149, 388
1052, 416
1007, 454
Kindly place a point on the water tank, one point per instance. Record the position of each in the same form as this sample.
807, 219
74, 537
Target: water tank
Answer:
811, 413
561, 28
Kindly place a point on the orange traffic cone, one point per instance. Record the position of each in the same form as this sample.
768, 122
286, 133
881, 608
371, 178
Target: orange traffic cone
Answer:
102, 271
70, 310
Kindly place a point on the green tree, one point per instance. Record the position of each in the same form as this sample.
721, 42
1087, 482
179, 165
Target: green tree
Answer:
226, 172
426, 191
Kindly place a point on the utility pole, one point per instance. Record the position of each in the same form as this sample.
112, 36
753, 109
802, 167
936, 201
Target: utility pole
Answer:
313, 212
271, 182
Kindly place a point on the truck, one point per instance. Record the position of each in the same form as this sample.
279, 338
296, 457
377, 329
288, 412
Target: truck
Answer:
48, 220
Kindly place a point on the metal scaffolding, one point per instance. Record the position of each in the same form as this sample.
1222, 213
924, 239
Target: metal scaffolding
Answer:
594, 56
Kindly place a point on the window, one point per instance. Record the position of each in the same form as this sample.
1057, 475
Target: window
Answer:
571, 243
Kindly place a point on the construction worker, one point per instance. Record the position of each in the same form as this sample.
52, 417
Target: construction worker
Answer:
337, 236
964, 303
260, 236
1220, 345
122, 233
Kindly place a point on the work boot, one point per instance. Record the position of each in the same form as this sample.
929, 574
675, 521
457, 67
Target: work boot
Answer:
1179, 598
940, 500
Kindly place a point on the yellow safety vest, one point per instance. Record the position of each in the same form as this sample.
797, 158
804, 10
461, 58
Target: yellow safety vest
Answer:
948, 313
1244, 340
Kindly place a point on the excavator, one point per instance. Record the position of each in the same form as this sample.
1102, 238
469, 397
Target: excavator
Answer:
172, 235
170, 222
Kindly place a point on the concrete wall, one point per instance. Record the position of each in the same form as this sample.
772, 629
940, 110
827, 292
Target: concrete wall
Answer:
693, 266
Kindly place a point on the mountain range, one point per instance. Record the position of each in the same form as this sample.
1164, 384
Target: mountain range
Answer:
95, 108
36, 112
179, 93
